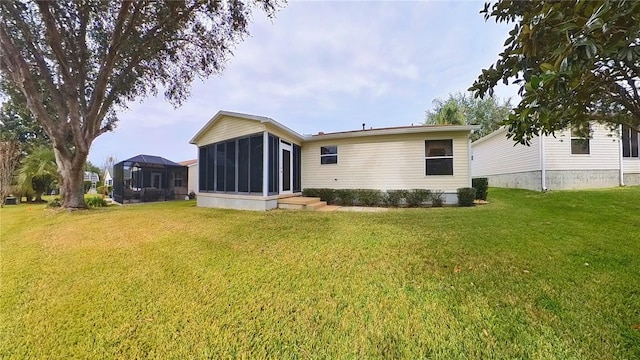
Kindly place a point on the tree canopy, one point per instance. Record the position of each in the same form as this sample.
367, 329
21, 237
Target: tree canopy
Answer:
76, 63
463, 108
575, 62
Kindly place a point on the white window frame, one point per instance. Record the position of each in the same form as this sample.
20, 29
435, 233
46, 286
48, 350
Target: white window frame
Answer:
426, 158
580, 138
324, 156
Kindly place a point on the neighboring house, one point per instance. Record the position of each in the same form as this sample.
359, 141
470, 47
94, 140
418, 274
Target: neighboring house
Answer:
248, 162
146, 178
108, 176
193, 174
94, 179
568, 160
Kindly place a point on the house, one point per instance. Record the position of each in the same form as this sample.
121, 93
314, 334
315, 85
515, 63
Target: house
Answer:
571, 159
192, 165
94, 179
108, 176
249, 162
147, 178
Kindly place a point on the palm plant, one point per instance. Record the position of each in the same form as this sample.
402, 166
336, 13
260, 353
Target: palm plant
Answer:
38, 172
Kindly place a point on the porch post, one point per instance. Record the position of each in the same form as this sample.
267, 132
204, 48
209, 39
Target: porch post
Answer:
265, 164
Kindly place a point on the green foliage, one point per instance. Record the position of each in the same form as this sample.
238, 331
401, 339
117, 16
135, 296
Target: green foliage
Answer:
445, 113
466, 196
345, 197
417, 197
96, 201
328, 195
38, 172
394, 197
437, 198
79, 63
104, 189
55, 203
368, 197
482, 187
575, 62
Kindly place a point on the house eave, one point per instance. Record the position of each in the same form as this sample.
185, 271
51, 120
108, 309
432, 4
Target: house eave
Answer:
391, 131
261, 119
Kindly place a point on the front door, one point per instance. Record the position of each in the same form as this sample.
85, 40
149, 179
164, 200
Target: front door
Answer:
286, 167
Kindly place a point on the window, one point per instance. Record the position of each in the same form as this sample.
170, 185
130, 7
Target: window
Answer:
438, 157
328, 155
630, 141
580, 138
177, 180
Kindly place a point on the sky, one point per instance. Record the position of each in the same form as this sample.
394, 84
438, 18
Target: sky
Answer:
325, 66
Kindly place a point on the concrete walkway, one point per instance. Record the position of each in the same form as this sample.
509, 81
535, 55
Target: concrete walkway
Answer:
362, 209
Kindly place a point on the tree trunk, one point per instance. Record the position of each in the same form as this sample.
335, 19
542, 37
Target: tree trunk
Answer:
72, 186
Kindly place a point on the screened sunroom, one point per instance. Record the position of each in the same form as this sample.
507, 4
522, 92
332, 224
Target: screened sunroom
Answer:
246, 162
148, 178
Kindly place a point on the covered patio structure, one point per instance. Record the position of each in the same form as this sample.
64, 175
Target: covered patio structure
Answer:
148, 178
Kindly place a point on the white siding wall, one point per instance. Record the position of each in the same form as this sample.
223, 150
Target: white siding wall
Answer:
498, 155
193, 178
228, 128
384, 163
631, 165
604, 153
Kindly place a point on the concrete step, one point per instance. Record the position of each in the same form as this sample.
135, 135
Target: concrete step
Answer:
298, 200
315, 205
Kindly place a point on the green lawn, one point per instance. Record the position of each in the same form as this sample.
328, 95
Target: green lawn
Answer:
531, 275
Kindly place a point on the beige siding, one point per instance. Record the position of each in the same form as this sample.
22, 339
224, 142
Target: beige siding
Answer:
193, 178
384, 162
631, 165
604, 151
281, 134
500, 155
229, 127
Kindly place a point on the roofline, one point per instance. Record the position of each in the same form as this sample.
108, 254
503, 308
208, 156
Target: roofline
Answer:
392, 131
501, 130
261, 119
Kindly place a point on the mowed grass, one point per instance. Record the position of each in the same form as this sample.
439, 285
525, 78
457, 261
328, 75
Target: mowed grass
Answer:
531, 275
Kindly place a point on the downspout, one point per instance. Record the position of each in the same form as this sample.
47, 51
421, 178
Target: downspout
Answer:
543, 170
469, 158
620, 157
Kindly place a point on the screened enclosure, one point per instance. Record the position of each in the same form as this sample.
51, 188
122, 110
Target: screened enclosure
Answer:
147, 178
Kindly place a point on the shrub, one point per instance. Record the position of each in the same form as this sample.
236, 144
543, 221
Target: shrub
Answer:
327, 195
345, 197
417, 197
437, 198
104, 189
96, 201
466, 196
481, 185
55, 203
394, 197
368, 197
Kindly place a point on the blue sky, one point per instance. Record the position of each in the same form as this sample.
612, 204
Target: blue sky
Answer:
325, 66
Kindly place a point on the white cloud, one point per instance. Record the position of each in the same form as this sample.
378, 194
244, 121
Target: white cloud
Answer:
326, 66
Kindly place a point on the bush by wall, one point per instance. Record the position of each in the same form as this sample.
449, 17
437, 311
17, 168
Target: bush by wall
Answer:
394, 197
95, 201
368, 197
482, 186
345, 197
437, 198
466, 196
417, 197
